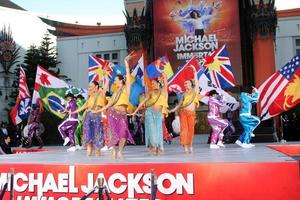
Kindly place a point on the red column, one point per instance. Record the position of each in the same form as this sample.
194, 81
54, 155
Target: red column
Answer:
264, 59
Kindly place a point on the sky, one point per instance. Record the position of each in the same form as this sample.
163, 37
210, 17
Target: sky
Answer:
107, 12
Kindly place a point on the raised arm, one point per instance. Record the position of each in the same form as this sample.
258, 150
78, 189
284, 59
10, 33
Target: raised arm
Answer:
197, 87
128, 75
105, 87
165, 82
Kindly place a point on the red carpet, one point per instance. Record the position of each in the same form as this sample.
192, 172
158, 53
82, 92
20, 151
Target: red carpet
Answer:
290, 150
17, 151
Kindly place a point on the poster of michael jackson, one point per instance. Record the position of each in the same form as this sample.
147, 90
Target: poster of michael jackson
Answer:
183, 28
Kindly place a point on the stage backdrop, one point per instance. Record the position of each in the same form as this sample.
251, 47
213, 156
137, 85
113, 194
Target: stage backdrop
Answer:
183, 28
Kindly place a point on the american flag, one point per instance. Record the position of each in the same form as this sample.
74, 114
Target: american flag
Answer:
23, 88
281, 91
21, 110
217, 67
96, 67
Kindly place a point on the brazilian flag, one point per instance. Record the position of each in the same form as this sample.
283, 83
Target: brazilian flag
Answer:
53, 100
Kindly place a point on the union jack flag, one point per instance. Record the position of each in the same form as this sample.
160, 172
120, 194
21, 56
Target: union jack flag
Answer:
217, 67
96, 67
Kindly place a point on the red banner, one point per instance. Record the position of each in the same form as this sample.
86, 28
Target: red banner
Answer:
188, 181
184, 28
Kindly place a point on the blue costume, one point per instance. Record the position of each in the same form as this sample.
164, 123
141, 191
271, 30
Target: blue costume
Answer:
248, 121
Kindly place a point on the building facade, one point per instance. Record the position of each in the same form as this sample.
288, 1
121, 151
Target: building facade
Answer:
287, 36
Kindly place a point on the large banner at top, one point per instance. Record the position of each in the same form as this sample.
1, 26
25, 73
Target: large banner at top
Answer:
183, 28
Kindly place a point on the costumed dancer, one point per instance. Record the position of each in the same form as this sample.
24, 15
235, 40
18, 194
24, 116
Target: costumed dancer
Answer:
92, 119
68, 126
215, 120
248, 121
230, 129
187, 114
166, 135
155, 103
78, 132
117, 122
34, 124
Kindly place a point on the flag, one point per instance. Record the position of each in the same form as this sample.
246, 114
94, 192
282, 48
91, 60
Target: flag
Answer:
51, 91
281, 91
138, 70
21, 110
218, 68
97, 67
164, 65
206, 86
23, 88
138, 86
176, 82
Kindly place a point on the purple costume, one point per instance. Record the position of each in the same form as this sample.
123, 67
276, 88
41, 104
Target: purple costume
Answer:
117, 127
67, 127
215, 121
34, 128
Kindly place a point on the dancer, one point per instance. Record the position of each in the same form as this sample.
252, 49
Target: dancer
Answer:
68, 126
187, 105
34, 129
78, 132
155, 102
117, 122
230, 129
248, 121
92, 119
217, 124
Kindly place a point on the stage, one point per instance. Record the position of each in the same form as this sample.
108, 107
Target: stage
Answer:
231, 173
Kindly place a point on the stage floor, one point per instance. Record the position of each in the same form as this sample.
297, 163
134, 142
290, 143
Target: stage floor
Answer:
173, 154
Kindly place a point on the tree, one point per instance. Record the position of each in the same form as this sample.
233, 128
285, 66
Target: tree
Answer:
47, 55
31, 60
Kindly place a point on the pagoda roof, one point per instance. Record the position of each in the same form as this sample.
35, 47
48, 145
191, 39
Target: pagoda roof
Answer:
289, 13
63, 29
10, 4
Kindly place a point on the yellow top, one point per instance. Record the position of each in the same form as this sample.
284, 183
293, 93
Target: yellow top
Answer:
123, 100
91, 101
161, 101
189, 98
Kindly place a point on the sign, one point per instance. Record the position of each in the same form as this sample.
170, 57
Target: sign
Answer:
184, 28
175, 181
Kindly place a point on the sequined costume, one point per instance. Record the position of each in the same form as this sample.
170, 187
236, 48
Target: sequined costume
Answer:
248, 121
117, 122
68, 126
215, 120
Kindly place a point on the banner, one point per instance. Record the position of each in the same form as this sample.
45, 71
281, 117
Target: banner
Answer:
175, 181
184, 28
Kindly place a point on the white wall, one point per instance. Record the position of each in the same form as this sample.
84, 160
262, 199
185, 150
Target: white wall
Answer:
288, 29
73, 53
26, 29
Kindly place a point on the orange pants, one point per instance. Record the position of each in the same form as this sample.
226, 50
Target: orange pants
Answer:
187, 127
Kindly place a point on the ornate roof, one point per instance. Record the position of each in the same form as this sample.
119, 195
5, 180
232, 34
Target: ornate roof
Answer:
63, 29
10, 4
